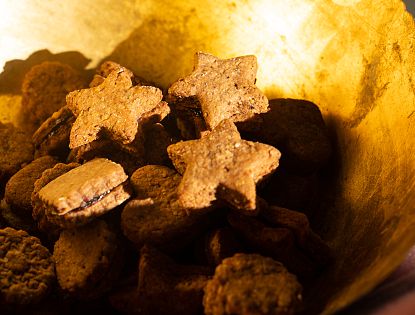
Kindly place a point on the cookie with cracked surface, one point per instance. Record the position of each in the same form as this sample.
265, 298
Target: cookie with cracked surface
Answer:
26, 269
52, 137
44, 90
88, 260
114, 107
165, 287
84, 193
225, 88
44, 225
252, 284
16, 150
156, 217
222, 165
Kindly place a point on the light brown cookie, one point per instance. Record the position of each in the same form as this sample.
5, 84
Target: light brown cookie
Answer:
88, 260
225, 88
252, 284
114, 107
156, 216
44, 90
85, 192
222, 165
26, 269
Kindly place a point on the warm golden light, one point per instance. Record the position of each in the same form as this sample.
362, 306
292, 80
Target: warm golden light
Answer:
355, 59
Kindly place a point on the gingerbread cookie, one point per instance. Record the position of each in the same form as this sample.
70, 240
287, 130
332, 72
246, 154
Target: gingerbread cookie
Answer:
156, 216
16, 150
297, 129
114, 107
88, 260
44, 90
225, 88
84, 193
222, 165
252, 284
26, 269
52, 137
164, 287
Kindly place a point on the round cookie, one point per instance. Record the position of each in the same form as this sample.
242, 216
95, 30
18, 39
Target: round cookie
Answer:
252, 284
44, 90
26, 269
88, 260
16, 150
20, 186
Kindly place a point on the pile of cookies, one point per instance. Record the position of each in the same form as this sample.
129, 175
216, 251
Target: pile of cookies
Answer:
119, 198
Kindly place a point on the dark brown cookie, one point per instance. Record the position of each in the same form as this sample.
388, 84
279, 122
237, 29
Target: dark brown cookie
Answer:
157, 139
44, 90
220, 244
52, 137
16, 221
222, 165
297, 129
114, 107
16, 150
44, 225
189, 118
26, 269
156, 216
309, 241
165, 287
130, 159
88, 260
291, 191
84, 193
276, 242
20, 186
252, 284
225, 88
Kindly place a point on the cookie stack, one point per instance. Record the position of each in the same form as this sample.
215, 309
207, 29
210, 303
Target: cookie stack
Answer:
191, 202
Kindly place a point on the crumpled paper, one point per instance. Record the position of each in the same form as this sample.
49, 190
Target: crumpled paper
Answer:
355, 59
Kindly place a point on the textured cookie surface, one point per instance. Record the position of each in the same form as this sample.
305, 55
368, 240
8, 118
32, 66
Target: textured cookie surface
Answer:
156, 216
225, 88
20, 186
114, 106
84, 258
222, 164
26, 268
16, 149
44, 90
252, 284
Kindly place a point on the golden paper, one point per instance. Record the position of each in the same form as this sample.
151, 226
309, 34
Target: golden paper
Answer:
355, 59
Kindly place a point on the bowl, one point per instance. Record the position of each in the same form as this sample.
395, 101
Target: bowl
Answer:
354, 58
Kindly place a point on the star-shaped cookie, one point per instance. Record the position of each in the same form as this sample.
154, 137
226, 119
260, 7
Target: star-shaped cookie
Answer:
222, 165
115, 106
225, 88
